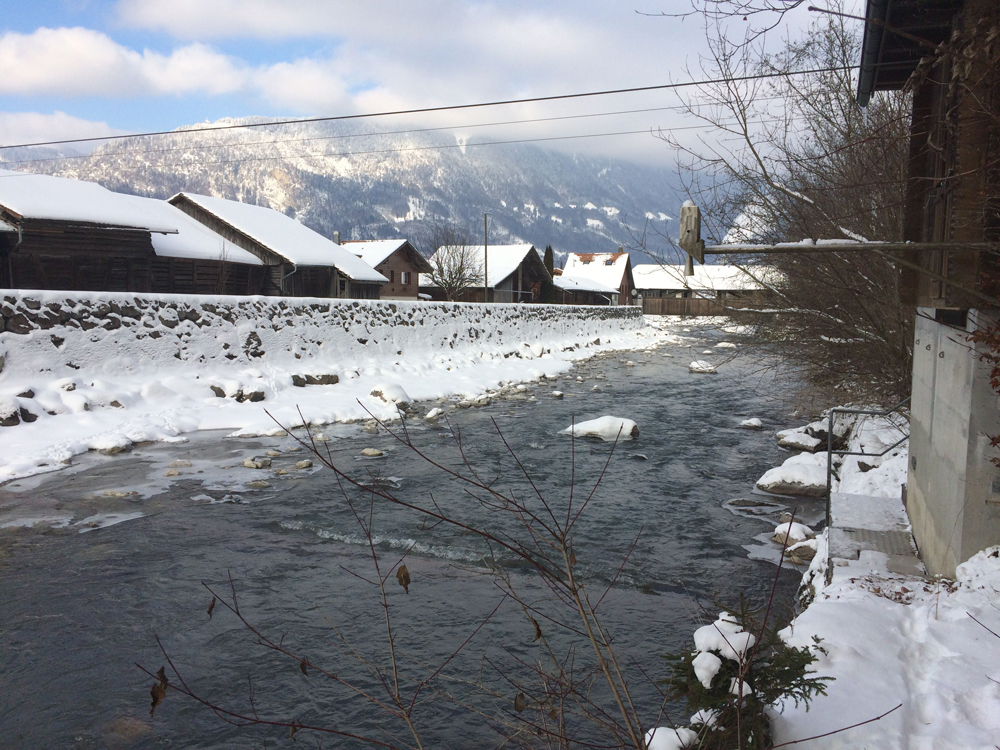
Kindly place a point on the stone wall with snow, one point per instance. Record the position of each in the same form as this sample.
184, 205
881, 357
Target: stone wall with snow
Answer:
62, 333
83, 371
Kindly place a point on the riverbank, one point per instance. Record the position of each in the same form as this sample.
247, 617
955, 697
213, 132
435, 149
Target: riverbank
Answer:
923, 654
83, 372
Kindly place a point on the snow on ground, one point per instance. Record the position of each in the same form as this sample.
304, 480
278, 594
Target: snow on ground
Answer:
160, 375
890, 640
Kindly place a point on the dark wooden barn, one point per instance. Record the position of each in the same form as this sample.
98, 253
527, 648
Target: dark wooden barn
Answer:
73, 235
298, 262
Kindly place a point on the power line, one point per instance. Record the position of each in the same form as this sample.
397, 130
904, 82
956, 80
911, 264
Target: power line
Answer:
341, 136
444, 108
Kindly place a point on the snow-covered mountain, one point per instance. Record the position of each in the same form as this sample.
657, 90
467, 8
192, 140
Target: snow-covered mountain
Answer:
371, 183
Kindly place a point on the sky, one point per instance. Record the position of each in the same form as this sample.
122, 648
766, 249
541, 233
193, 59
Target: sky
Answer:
79, 68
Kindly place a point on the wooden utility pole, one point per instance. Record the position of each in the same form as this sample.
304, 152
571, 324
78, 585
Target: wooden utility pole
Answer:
486, 268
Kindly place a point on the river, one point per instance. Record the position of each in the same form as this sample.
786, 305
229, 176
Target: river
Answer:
80, 604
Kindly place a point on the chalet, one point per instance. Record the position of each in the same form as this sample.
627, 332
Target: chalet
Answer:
580, 291
942, 52
515, 273
613, 270
397, 260
57, 233
708, 282
298, 262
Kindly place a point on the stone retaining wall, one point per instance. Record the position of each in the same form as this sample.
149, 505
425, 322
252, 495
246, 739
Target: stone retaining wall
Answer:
62, 332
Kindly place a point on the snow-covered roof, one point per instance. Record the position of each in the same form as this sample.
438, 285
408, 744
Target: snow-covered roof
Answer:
37, 196
193, 239
501, 260
721, 278
605, 268
373, 252
576, 284
285, 236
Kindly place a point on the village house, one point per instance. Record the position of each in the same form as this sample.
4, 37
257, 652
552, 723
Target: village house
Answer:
944, 56
65, 234
613, 270
581, 291
298, 261
397, 260
666, 290
515, 273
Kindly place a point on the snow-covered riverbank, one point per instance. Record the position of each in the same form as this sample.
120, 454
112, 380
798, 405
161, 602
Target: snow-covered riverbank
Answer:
101, 372
919, 648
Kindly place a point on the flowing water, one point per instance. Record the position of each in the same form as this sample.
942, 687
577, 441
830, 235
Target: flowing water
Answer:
82, 601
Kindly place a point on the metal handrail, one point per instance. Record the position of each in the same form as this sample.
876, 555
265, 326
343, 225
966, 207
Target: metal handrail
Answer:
830, 451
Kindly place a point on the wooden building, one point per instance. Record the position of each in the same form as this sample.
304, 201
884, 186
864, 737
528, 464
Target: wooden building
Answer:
397, 260
515, 273
577, 291
946, 53
610, 269
74, 235
298, 261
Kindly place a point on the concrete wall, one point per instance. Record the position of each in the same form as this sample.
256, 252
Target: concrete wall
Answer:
953, 488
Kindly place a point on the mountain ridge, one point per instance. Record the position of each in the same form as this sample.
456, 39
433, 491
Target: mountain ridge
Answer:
374, 183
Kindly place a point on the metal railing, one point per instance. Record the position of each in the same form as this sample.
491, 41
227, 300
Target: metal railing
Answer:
830, 451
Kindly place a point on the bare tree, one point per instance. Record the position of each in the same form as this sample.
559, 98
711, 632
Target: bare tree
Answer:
796, 158
455, 264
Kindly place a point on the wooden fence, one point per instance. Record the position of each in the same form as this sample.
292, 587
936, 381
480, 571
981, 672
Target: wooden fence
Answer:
690, 306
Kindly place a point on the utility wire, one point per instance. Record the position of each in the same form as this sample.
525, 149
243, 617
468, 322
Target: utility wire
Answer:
379, 133
444, 108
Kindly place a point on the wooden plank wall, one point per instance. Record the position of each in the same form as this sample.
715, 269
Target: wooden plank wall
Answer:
690, 306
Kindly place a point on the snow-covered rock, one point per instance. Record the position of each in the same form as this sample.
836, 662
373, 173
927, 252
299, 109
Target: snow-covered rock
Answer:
799, 440
803, 474
372, 452
557, 394
791, 533
606, 428
753, 423
391, 393
434, 413
701, 366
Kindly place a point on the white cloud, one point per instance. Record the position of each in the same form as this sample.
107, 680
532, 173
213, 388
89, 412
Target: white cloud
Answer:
83, 62
26, 127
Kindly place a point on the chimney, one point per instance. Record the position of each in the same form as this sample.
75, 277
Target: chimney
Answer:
336, 238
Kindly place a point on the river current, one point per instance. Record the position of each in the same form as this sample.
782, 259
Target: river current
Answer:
82, 603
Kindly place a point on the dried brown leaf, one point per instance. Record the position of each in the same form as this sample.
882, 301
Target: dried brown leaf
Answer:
538, 630
302, 666
520, 702
293, 729
553, 714
572, 557
403, 576
161, 675
211, 607
157, 693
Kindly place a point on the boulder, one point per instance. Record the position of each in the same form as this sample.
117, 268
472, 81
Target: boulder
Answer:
391, 393
606, 428
803, 474
257, 462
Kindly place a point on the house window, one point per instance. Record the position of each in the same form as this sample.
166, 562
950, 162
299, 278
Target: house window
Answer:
609, 262
392, 276
586, 261
404, 278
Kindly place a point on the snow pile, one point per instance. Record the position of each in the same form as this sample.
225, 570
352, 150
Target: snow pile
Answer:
666, 738
877, 476
753, 423
605, 428
85, 371
791, 533
702, 366
725, 637
802, 474
891, 640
